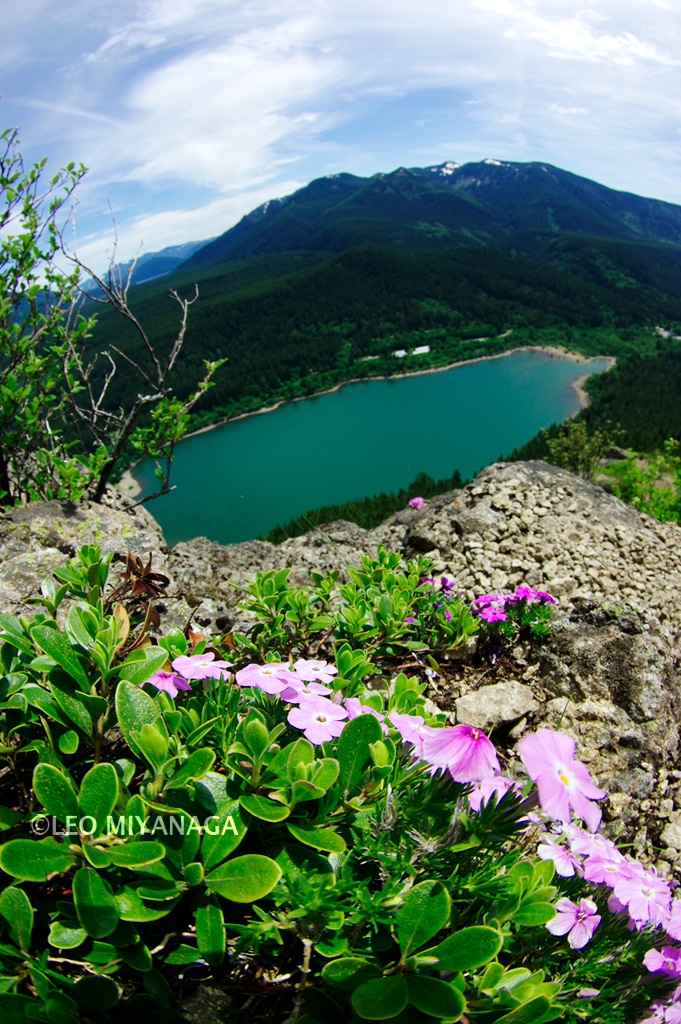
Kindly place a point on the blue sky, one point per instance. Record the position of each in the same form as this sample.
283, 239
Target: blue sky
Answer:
189, 113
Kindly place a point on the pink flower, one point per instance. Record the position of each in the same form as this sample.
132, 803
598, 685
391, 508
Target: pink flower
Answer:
667, 960
272, 678
416, 503
577, 922
319, 718
489, 787
298, 690
312, 671
355, 707
563, 783
589, 844
564, 861
412, 729
486, 599
169, 682
673, 925
491, 614
610, 868
200, 666
646, 896
464, 751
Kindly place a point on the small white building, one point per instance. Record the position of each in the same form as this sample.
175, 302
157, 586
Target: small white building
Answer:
401, 353
421, 350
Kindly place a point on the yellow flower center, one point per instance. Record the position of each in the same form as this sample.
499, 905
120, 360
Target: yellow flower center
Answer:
563, 778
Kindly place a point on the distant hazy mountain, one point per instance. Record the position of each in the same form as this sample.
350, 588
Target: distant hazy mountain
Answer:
154, 264
511, 206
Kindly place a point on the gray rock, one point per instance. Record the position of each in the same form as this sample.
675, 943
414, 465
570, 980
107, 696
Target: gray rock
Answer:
499, 704
671, 835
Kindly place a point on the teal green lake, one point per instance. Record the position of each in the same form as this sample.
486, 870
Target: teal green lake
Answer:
239, 480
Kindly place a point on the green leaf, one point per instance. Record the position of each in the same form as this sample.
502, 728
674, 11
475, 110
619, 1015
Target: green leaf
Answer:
60, 650
98, 794
348, 972
193, 874
263, 807
95, 904
76, 626
9, 818
136, 854
95, 994
325, 773
66, 936
33, 860
529, 1013
160, 889
15, 634
353, 749
152, 744
195, 767
319, 838
300, 751
17, 911
494, 972
210, 933
55, 792
222, 835
183, 954
245, 879
137, 956
384, 997
467, 949
534, 913
133, 908
96, 855
134, 708
15, 1009
142, 663
68, 742
435, 997
425, 910
66, 697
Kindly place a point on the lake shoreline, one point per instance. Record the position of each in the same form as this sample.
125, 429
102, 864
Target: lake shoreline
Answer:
129, 486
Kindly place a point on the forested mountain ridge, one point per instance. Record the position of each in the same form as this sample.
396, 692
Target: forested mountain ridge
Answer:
326, 285
512, 206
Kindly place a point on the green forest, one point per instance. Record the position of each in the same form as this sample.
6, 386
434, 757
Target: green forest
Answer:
299, 333
293, 325
370, 511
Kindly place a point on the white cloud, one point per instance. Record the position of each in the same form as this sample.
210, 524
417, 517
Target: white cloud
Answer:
151, 232
183, 103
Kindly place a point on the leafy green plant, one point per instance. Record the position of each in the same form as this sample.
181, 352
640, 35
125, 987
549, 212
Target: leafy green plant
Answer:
651, 484
577, 449
170, 815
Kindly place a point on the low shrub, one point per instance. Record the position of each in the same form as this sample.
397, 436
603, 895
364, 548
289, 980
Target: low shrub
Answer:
276, 813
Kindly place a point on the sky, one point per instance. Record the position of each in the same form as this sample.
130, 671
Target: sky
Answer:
190, 113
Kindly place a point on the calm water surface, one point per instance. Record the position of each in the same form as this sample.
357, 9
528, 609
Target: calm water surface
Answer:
239, 480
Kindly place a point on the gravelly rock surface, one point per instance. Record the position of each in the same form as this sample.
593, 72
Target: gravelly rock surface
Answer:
609, 674
518, 522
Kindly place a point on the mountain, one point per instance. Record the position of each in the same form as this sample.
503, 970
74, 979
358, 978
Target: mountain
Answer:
457, 262
152, 264
519, 207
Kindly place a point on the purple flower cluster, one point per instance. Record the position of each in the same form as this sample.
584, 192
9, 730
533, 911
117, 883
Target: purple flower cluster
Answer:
564, 786
639, 892
495, 607
187, 668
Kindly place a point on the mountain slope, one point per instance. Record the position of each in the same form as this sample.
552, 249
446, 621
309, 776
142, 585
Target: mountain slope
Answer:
501, 205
